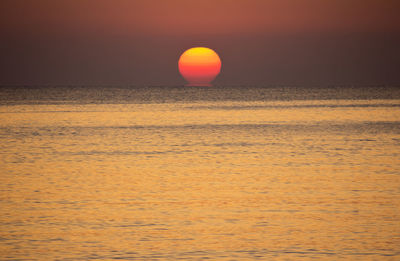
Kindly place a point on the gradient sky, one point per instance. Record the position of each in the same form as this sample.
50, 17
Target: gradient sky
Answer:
261, 42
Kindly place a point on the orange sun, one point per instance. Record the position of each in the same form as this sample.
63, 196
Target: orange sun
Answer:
199, 66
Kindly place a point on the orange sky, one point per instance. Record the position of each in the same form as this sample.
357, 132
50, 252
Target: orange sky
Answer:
206, 16
260, 41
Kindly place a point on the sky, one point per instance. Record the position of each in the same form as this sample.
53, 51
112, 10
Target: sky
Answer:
260, 42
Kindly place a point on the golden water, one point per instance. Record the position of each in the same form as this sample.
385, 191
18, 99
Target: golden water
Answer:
227, 180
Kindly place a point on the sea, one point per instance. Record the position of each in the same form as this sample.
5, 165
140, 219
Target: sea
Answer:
197, 173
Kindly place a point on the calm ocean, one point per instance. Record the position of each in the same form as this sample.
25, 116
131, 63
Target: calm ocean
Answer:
220, 173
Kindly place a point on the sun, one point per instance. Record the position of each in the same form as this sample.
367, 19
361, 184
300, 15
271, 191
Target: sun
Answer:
199, 66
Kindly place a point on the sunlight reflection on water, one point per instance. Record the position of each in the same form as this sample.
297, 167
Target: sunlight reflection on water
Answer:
227, 179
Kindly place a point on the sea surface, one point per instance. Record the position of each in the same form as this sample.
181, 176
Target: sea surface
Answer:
195, 173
